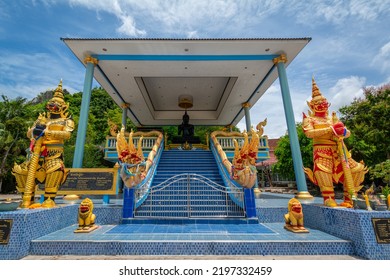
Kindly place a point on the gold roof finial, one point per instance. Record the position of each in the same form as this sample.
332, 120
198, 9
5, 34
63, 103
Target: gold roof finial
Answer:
316, 94
315, 90
58, 92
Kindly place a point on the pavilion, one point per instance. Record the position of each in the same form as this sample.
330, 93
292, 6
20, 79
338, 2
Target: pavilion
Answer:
222, 77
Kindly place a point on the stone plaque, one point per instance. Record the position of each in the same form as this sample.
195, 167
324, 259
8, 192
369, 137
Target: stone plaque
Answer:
88, 181
5, 231
382, 230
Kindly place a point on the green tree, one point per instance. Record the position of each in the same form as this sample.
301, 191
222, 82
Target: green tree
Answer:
380, 173
368, 120
14, 122
285, 166
101, 109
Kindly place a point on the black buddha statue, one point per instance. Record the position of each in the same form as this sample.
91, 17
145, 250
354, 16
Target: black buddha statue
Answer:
186, 132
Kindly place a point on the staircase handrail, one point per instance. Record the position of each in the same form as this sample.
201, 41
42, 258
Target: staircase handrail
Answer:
227, 142
147, 142
226, 177
191, 182
143, 188
193, 176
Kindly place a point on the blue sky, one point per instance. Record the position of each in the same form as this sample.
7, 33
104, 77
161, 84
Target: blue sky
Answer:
350, 47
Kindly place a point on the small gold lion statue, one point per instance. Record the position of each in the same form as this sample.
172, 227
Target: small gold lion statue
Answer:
86, 216
294, 217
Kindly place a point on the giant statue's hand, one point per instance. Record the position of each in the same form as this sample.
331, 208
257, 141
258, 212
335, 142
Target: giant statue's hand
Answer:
339, 129
38, 130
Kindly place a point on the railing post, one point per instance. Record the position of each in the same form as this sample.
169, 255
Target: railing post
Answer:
128, 202
250, 203
188, 196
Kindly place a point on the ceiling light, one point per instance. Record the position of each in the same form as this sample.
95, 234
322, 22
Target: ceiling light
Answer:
185, 101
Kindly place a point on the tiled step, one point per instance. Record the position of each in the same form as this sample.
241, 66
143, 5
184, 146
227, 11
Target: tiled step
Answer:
164, 238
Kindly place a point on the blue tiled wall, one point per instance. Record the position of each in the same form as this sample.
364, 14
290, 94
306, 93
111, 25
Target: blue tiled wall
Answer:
108, 215
350, 224
29, 224
271, 215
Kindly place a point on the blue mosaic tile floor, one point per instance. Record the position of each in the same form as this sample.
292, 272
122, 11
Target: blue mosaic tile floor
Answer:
189, 232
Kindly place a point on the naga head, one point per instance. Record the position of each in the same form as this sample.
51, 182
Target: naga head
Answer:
318, 103
56, 105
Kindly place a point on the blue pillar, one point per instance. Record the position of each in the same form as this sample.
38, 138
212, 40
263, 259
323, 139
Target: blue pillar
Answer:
246, 107
124, 114
291, 126
250, 203
128, 203
83, 121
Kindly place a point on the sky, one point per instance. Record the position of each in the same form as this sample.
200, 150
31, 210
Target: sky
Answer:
349, 50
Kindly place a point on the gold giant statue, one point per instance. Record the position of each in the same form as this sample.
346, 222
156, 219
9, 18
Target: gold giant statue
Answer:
44, 163
332, 161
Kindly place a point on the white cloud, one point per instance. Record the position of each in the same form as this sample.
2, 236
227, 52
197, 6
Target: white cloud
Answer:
202, 16
192, 34
181, 17
35, 73
337, 12
128, 27
269, 106
382, 59
117, 8
368, 9
345, 91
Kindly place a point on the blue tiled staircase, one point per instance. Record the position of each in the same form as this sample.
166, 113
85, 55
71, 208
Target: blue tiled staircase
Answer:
174, 162
193, 199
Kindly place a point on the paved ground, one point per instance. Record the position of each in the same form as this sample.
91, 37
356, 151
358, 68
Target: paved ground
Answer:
131, 257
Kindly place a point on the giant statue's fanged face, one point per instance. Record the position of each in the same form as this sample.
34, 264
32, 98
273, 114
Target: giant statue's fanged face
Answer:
55, 105
320, 105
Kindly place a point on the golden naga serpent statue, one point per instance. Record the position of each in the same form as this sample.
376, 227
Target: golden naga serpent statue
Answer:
134, 168
242, 169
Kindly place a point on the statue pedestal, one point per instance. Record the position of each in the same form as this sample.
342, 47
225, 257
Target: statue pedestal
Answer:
182, 140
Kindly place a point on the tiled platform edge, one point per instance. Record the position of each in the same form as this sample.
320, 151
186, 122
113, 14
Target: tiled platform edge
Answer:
349, 224
29, 224
158, 247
